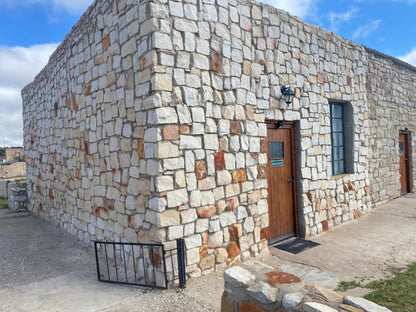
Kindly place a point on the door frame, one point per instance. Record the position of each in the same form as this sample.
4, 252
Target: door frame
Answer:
408, 155
292, 126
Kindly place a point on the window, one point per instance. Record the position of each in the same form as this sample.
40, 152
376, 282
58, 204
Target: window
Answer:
342, 138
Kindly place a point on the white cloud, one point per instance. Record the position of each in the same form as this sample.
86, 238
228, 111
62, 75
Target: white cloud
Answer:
366, 30
410, 57
74, 7
336, 19
301, 8
18, 67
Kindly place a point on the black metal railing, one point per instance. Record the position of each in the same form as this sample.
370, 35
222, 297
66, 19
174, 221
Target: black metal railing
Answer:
140, 264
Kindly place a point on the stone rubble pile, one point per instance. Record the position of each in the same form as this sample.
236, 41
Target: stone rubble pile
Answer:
256, 287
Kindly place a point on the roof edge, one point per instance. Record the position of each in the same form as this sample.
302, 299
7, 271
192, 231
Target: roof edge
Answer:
395, 60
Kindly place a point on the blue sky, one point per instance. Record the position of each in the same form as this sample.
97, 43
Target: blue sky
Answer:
31, 29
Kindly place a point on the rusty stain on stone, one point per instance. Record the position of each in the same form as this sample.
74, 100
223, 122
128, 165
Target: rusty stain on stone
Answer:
279, 277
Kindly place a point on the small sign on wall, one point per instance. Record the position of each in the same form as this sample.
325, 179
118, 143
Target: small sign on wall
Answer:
277, 163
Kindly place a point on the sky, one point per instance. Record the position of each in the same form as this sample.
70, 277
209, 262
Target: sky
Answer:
30, 30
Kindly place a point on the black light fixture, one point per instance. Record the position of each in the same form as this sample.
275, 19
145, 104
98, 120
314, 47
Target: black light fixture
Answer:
288, 94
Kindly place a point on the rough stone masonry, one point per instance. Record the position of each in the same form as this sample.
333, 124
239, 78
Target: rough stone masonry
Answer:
149, 124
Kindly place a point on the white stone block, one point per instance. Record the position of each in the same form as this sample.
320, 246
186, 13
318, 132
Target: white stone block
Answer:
177, 198
190, 142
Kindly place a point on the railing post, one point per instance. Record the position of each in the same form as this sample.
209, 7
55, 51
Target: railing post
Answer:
180, 246
96, 261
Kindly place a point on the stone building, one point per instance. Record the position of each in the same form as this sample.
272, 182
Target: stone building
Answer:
156, 120
14, 154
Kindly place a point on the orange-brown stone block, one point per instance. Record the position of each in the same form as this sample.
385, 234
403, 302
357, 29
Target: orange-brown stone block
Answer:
225, 305
356, 214
219, 161
108, 203
106, 42
235, 127
171, 133
231, 203
239, 176
247, 306
246, 68
95, 211
262, 172
201, 169
147, 60
140, 148
205, 238
184, 129
203, 251
155, 258
216, 62
265, 233
233, 250
350, 186
235, 233
206, 212
325, 226
74, 102
263, 145
86, 89
278, 277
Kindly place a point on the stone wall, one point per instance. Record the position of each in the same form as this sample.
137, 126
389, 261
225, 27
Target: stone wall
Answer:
11, 156
14, 170
391, 104
257, 287
84, 121
17, 197
4, 188
149, 124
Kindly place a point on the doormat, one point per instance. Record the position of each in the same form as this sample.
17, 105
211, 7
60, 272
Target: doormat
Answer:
297, 246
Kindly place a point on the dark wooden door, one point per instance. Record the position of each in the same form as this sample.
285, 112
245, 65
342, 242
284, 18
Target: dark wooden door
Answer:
281, 181
404, 162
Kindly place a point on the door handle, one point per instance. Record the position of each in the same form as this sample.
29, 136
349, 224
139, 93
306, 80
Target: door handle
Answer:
289, 180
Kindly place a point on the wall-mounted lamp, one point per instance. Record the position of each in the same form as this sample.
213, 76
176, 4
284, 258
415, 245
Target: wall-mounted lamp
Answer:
288, 94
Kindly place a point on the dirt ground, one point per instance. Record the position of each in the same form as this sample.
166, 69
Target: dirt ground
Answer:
45, 269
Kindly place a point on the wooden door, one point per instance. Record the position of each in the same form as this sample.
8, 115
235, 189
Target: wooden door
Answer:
281, 181
404, 162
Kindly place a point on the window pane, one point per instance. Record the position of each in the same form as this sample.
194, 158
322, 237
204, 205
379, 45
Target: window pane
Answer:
341, 167
341, 153
335, 141
337, 134
340, 139
337, 110
338, 125
336, 153
276, 150
336, 167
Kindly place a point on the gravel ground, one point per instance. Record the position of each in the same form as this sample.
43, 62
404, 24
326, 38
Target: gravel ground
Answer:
45, 269
33, 250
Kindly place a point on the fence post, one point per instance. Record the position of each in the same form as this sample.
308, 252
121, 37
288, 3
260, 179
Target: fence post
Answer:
180, 246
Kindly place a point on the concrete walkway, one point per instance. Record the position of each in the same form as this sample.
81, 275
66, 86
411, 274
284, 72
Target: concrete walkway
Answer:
45, 269
366, 249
